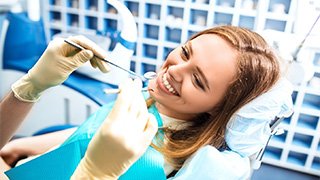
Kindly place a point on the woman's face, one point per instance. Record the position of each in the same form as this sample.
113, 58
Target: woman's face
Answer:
194, 77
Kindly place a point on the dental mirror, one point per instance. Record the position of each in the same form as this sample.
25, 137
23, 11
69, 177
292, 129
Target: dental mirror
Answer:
150, 75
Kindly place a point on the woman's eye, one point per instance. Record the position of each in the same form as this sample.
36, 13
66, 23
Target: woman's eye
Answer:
184, 52
198, 82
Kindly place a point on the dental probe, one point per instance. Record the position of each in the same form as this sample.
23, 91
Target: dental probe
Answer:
116, 91
130, 72
295, 54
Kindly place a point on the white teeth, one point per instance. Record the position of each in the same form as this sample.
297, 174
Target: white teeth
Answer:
167, 85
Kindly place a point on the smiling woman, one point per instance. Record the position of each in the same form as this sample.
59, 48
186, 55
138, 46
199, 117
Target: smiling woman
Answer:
206, 81
200, 87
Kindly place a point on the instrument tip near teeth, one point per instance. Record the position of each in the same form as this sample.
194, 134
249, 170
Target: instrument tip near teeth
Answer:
116, 91
150, 75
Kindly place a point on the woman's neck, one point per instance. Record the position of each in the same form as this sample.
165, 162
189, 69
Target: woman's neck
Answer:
171, 113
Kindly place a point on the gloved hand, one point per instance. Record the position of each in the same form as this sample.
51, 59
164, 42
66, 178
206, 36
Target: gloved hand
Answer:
55, 65
122, 138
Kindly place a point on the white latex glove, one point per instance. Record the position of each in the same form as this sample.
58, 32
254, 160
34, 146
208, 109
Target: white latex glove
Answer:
122, 138
55, 65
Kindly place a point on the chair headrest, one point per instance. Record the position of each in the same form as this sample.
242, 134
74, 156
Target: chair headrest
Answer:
248, 129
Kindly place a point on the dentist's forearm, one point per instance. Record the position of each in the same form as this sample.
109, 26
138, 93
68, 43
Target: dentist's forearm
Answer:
3, 168
12, 113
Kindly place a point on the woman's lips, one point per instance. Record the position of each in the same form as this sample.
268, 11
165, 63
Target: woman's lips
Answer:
165, 85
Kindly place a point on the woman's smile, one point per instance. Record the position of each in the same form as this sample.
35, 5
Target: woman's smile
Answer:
165, 85
168, 86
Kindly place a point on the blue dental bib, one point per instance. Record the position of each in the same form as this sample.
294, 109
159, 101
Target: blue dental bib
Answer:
62, 162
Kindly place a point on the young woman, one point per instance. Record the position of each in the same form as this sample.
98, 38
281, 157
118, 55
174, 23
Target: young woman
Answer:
201, 85
212, 76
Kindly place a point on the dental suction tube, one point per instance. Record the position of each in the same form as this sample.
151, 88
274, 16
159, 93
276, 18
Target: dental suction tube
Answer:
129, 28
122, 54
123, 50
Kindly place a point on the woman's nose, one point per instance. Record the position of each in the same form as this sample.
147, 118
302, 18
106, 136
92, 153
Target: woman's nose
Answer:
177, 72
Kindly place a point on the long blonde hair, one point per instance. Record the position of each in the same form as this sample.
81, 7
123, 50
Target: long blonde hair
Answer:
258, 69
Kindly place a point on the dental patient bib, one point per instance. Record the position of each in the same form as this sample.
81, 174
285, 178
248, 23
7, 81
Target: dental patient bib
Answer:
62, 162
